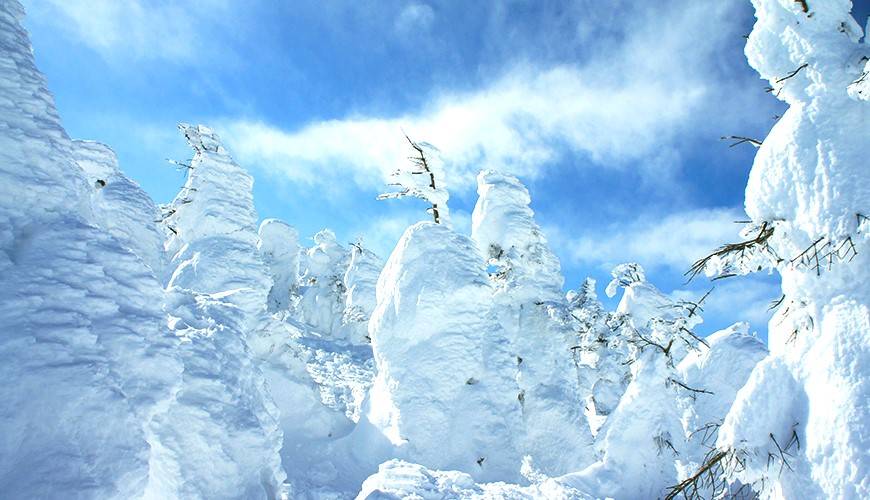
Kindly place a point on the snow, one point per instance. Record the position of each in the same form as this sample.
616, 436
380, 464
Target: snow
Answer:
721, 367
190, 351
220, 436
808, 182
360, 283
120, 206
443, 394
504, 228
279, 249
86, 360
528, 305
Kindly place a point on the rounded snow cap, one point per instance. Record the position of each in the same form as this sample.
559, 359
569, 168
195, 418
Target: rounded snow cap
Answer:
201, 138
625, 275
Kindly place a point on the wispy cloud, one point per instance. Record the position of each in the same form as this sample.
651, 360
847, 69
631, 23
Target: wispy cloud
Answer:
414, 18
627, 104
674, 241
125, 29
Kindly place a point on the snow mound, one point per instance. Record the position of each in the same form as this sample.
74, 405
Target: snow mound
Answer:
397, 479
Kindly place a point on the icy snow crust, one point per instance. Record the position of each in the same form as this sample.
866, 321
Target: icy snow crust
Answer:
181, 351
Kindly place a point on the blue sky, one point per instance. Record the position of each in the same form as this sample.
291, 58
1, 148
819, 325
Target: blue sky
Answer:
611, 112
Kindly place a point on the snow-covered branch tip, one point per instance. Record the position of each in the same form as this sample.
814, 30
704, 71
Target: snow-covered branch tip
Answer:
180, 165
711, 479
731, 255
822, 254
419, 181
781, 81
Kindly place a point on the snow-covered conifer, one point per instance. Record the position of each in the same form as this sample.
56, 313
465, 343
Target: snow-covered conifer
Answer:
443, 395
279, 248
86, 363
721, 367
220, 436
360, 281
321, 285
602, 348
528, 301
422, 178
798, 429
643, 437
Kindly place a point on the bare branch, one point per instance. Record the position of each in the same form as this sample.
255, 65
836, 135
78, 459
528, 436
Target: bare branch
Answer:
742, 140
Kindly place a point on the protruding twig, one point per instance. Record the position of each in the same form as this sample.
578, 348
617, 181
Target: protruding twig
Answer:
741, 140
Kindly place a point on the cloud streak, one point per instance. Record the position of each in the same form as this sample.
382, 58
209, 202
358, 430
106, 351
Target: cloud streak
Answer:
626, 105
673, 241
125, 29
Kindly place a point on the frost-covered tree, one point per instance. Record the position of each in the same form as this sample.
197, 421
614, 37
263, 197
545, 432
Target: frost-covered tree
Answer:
321, 285
220, 436
86, 361
444, 395
643, 437
360, 283
799, 428
528, 303
279, 249
602, 351
721, 366
422, 178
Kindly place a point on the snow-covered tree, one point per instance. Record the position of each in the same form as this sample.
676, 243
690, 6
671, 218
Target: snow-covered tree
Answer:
87, 362
602, 351
643, 437
721, 366
529, 305
279, 249
422, 178
798, 429
220, 436
360, 283
444, 395
321, 285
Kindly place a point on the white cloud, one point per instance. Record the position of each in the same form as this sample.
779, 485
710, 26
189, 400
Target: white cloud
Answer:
517, 125
674, 241
125, 29
629, 103
414, 18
